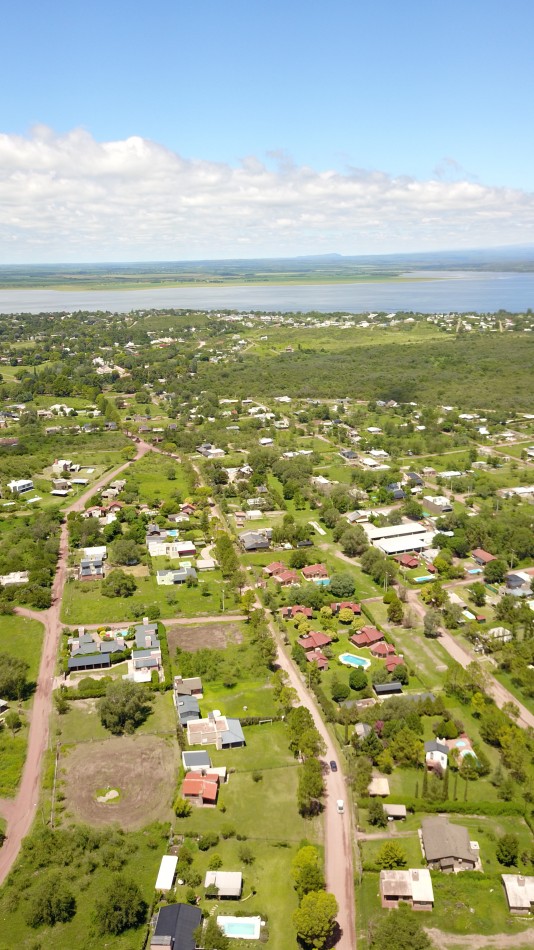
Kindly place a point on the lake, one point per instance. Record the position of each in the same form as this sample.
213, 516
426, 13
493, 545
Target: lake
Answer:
460, 291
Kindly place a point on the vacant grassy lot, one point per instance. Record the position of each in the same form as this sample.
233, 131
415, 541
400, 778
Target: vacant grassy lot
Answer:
22, 638
212, 636
141, 768
150, 476
84, 603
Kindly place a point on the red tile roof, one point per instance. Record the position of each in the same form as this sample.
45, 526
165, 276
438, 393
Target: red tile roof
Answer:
346, 605
319, 658
206, 786
315, 570
366, 637
383, 649
481, 555
392, 662
296, 610
313, 640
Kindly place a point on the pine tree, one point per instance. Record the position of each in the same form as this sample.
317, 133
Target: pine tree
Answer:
446, 785
424, 791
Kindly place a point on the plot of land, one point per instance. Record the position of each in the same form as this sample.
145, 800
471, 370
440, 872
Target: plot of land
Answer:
212, 636
142, 767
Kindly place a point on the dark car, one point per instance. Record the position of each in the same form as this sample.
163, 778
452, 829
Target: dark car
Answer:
333, 766
304, 544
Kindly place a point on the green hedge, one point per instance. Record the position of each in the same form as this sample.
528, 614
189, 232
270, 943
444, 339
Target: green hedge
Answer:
458, 808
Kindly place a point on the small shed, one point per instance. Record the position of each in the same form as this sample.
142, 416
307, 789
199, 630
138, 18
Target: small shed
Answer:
228, 883
395, 812
167, 870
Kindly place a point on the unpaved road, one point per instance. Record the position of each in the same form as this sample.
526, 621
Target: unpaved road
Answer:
443, 941
21, 812
463, 656
338, 832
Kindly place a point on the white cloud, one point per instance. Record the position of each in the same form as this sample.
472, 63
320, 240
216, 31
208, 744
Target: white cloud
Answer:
72, 198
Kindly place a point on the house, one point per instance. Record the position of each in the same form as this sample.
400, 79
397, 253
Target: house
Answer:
61, 484
408, 561
314, 641
287, 578
289, 613
201, 789
315, 572
3, 707
255, 540
98, 553
209, 451
378, 787
519, 891
413, 887
83, 645
15, 577
167, 870
367, 637
482, 557
392, 662
196, 761
346, 605
317, 657
175, 927
190, 686
395, 812
80, 663
172, 549
357, 516
383, 690
228, 883
382, 649
20, 485
437, 504
146, 655
146, 635
275, 567
446, 846
436, 754
166, 578
187, 708
91, 569
217, 730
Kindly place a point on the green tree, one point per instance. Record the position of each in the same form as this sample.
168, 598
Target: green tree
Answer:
477, 593
391, 856
306, 871
357, 679
401, 930
310, 787
211, 937
124, 707
124, 551
342, 585
120, 908
508, 850
395, 611
118, 584
50, 902
13, 721
315, 918
13, 673
377, 815
340, 691
432, 623
495, 571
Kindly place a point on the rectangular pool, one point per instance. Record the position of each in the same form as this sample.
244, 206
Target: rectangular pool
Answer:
247, 928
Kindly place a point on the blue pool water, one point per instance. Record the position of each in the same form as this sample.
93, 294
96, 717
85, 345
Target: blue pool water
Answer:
239, 928
350, 659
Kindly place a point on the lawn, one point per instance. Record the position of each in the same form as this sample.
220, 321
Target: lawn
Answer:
12, 757
84, 603
141, 853
150, 476
82, 721
410, 845
248, 697
22, 638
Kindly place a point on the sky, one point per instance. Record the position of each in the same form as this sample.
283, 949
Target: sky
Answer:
247, 128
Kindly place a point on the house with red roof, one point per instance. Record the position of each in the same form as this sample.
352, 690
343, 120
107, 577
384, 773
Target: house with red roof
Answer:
314, 641
407, 560
346, 605
367, 637
287, 578
201, 789
276, 567
289, 613
392, 662
383, 649
318, 658
314, 572
482, 557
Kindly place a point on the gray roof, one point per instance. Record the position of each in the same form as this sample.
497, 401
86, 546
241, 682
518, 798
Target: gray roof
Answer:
228, 883
144, 630
187, 708
180, 922
443, 840
251, 540
384, 689
196, 760
89, 662
435, 746
110, 646
234, 734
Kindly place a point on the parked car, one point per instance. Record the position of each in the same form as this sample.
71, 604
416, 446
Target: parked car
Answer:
333, 766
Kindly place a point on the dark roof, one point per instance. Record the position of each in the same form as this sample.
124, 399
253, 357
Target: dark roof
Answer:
179, 921
383, 689
89, 662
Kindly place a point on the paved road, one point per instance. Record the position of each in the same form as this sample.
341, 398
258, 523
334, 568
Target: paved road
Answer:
21, 812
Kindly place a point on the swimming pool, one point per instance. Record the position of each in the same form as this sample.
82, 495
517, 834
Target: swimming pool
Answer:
248, 928
350, 659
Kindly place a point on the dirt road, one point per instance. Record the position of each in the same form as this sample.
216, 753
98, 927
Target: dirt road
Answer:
463, 656
21, 813
338, 831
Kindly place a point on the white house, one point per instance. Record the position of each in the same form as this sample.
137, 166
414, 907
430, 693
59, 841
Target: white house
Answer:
436, 754
20, 485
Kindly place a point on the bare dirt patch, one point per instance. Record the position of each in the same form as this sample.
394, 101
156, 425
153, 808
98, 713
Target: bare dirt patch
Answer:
143, 768
213, 636
136, 570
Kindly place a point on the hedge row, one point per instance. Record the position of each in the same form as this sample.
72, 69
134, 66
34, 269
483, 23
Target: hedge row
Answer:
460, 808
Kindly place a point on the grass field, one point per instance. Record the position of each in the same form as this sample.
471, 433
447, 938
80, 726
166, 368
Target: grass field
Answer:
23, 639
84, 603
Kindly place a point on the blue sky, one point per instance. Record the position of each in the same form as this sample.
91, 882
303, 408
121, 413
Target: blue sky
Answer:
417, 92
